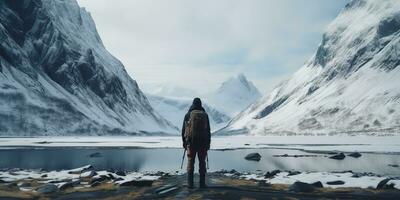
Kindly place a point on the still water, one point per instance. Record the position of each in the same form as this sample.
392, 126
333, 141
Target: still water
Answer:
169, 160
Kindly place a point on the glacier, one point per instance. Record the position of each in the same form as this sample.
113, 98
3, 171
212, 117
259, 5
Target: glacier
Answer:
57, 78
351, 85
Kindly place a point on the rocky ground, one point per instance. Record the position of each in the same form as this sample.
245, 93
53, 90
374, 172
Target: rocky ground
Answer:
112, 186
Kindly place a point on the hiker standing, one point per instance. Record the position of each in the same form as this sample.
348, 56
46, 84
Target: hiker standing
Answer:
196, 137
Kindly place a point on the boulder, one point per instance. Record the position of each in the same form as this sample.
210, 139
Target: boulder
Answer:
263, 183
383, 184
80, 170
301, 187
271, 174
339, 156
166, 189
69, 184
293, 173
335, 182
138, 183
317, 184
120, 173
24, 184
98, 179
393, 165
88, 174
95, 184
47, 189
355, 155
253, 157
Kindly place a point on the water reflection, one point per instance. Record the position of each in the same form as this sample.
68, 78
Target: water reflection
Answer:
169, 160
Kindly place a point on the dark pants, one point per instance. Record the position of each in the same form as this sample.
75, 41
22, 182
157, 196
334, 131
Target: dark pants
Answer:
201, 155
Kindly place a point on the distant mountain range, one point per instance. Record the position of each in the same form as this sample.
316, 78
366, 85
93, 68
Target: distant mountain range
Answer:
233, 96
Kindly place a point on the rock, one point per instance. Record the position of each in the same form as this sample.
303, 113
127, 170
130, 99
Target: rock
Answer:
47, 189
383, 184
118, 179
95, 184
166, 189
272, 174
80, 170
11, 185
253, 156
95, 155
69, 184
339, 156
317, 184
44, 176
335, 182
301, 187
355, 155
393, 165
293, 173
88, 174
138, 183
111, 176
24, 184
99, 179
263, 183
120, 173
246, 144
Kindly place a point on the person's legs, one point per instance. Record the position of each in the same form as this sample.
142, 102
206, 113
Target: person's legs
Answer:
202, 155
191, 154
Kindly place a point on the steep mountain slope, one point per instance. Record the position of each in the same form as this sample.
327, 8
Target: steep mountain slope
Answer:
234, 95
174, 110
351, 85
57, 78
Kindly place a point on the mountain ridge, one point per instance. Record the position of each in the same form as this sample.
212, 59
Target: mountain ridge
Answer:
349, 86
58, 79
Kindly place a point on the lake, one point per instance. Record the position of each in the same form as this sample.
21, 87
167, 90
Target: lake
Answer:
169, 160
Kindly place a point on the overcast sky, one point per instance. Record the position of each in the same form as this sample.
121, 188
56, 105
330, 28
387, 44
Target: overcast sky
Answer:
199, 44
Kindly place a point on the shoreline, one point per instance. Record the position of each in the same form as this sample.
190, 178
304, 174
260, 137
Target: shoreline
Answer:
86, 182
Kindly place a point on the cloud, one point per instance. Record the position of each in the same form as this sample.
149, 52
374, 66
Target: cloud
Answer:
198, 43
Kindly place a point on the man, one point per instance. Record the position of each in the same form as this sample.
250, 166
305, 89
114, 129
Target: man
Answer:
196, 137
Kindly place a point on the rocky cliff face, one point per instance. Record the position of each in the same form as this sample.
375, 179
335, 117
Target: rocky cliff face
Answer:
57, 78
351, 85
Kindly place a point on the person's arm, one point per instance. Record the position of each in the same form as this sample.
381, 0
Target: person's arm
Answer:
183, 131
208, 134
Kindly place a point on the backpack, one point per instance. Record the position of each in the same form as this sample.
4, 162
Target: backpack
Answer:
196, 129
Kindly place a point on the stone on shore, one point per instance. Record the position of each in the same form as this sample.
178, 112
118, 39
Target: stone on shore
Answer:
47, 189
301, 187
355, 155
253, 157
339, 156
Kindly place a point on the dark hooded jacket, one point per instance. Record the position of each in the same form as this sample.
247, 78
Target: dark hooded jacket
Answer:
196, 105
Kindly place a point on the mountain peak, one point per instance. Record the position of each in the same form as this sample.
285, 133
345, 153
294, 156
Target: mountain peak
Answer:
234, 95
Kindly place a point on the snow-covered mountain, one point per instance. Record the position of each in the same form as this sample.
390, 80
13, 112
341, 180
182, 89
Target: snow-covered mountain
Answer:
234, 95
351, 85
57, 78
174, 109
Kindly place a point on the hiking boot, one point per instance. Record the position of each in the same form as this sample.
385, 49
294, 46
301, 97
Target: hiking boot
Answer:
190, 180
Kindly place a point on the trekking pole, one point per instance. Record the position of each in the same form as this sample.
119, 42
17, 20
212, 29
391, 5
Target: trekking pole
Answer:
183, 158
208, 167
